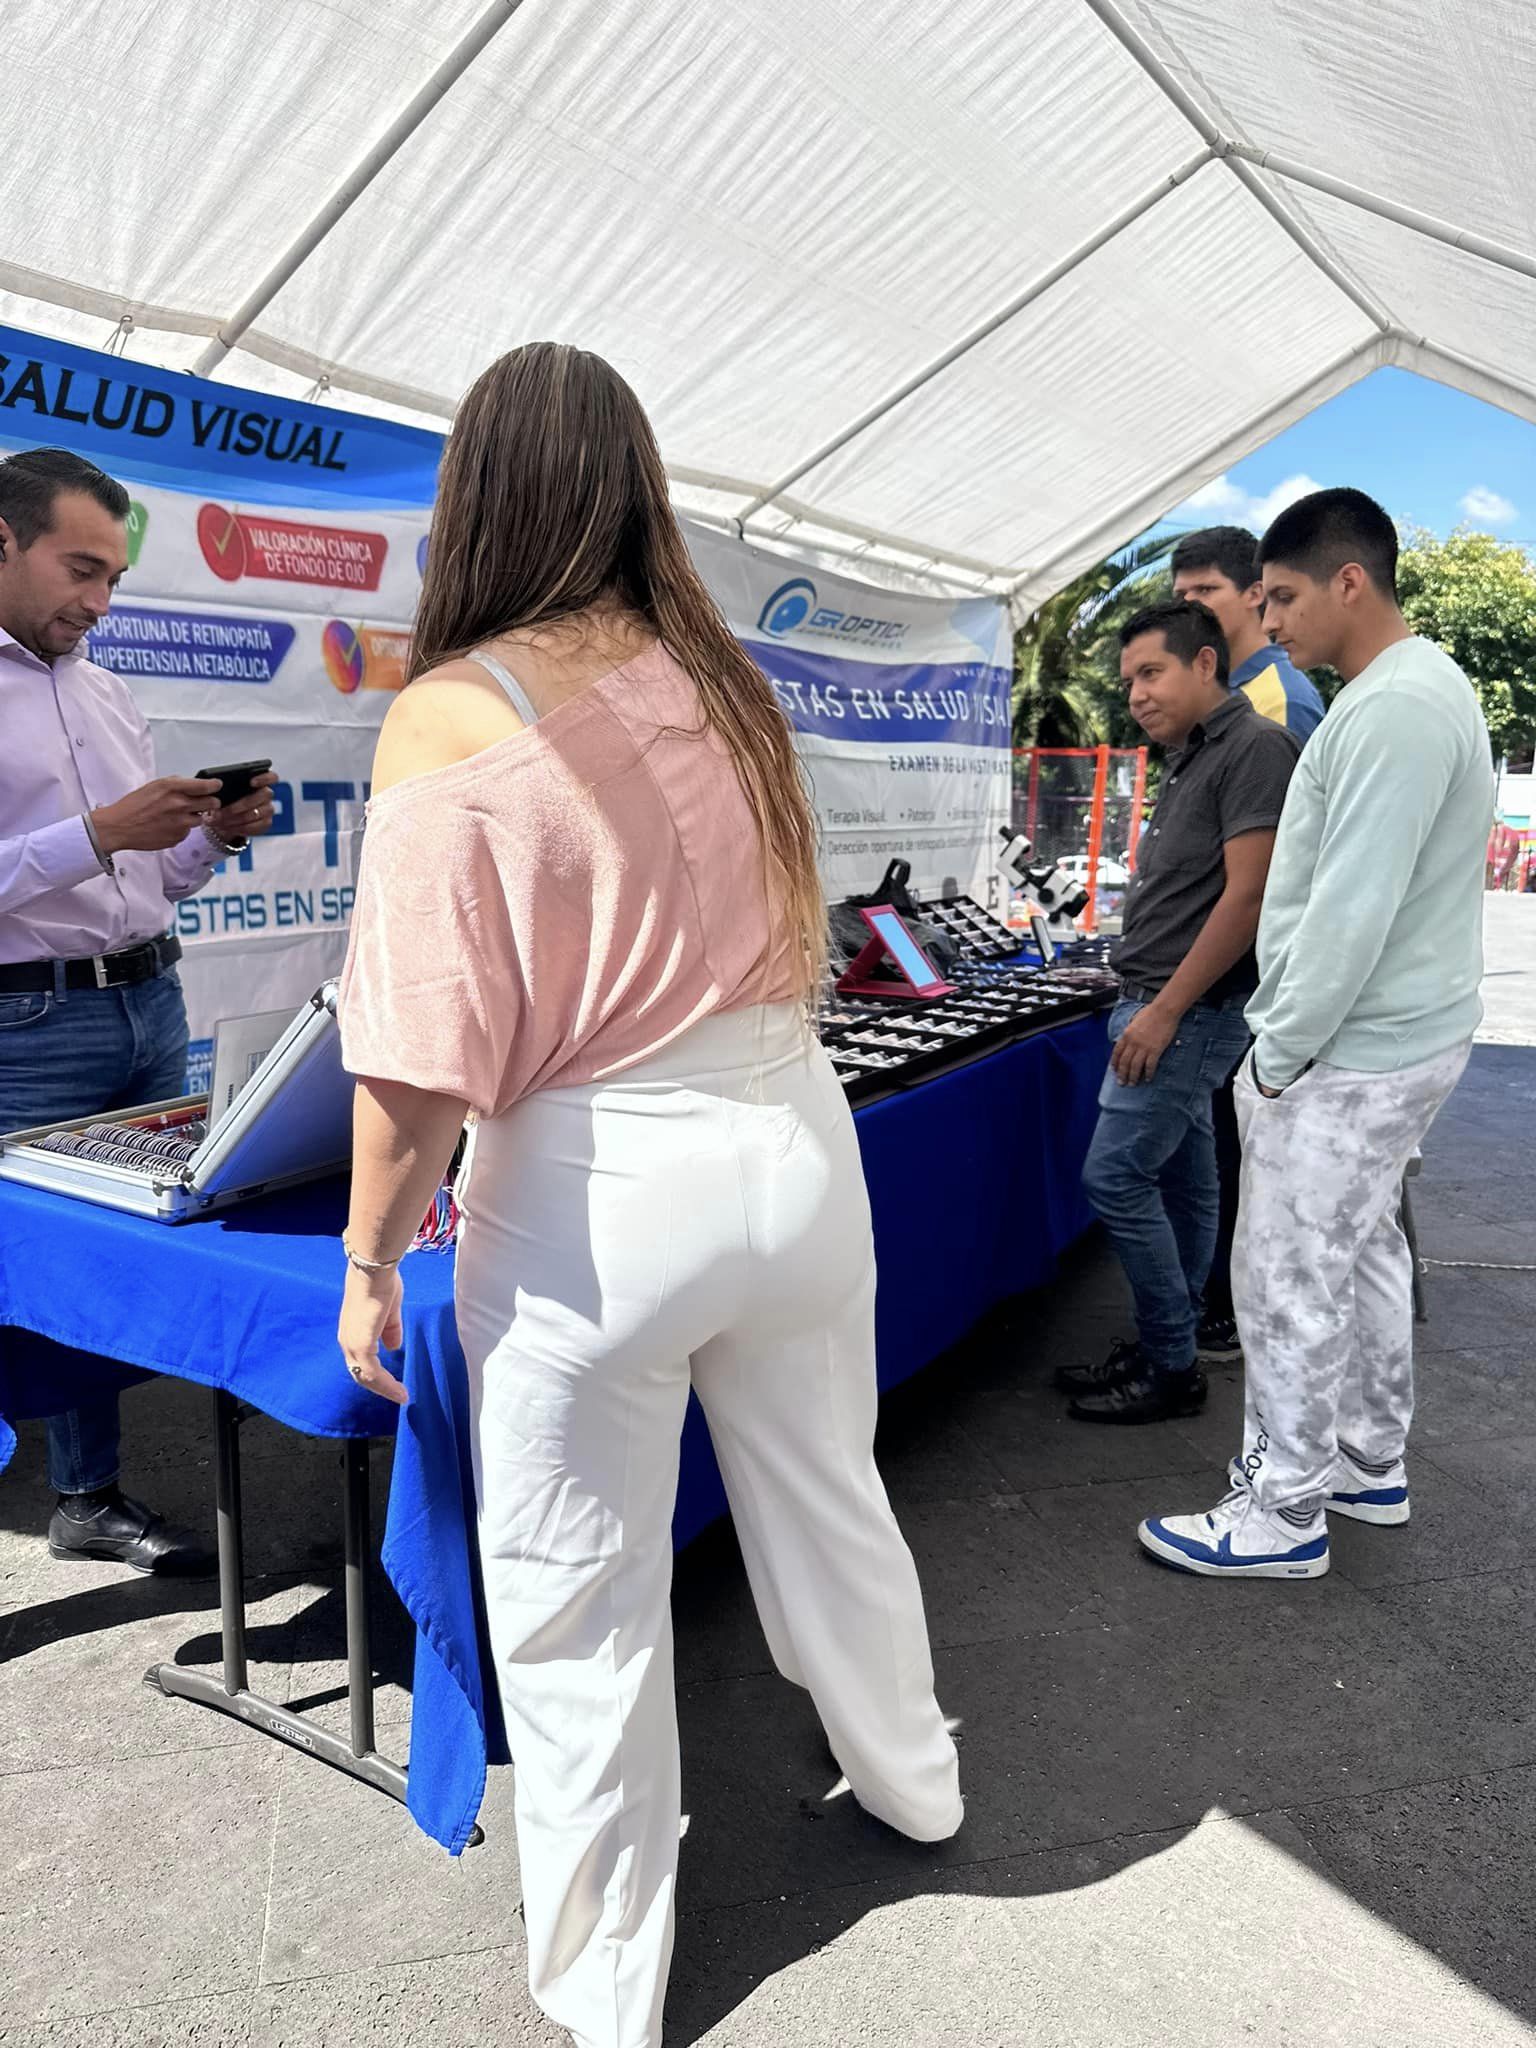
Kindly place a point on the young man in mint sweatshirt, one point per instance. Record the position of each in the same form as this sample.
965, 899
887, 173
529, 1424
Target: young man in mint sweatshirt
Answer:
1370, 957
1218, 566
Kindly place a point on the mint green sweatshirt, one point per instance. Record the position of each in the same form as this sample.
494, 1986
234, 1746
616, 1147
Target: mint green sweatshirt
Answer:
1371, 939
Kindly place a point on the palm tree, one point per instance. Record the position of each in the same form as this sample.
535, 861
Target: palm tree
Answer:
1066, 685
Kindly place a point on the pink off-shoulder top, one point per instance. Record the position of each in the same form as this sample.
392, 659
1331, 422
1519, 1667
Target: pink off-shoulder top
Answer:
562, 905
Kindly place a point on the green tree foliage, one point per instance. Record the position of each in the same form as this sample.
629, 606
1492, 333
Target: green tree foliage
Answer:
1476, 597
1473, 595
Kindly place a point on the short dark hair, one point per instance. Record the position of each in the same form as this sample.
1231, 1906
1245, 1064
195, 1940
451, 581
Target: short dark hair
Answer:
1186, 627
1231, 549
1319, 534
32, 481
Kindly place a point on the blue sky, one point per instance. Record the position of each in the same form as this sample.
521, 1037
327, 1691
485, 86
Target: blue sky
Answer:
1432, 456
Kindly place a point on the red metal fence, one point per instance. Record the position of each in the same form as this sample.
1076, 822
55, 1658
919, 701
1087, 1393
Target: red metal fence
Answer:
1083, 806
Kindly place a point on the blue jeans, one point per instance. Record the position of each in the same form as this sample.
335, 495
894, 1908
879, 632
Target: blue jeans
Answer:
77, 1054
1151, 1174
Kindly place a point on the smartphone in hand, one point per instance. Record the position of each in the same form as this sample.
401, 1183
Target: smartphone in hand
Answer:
236, 780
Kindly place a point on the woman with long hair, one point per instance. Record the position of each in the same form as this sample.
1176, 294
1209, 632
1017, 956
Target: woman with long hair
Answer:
589, 919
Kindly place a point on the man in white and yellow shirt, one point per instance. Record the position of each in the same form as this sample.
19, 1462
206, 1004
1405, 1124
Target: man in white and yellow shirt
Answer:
1218, 567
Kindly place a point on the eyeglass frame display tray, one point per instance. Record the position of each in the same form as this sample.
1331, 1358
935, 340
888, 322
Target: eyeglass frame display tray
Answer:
850, 1018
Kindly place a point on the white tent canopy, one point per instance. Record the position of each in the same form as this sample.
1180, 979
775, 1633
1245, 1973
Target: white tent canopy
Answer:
976, 289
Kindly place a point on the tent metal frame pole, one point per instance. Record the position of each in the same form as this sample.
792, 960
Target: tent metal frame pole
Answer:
1466, 373
1141, 52
806, 515
1036, 288
1410, 217
1128, 519
357, 181
929, 566
799, 513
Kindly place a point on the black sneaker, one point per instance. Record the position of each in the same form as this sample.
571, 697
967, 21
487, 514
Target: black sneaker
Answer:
1217, 1341
1145, 1396
1124, 1358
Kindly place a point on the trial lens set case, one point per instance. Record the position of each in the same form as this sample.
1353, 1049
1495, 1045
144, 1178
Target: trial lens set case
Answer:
291, 1122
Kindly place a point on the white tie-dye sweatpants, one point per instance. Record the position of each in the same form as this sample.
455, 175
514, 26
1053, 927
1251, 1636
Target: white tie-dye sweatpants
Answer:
1321, 1273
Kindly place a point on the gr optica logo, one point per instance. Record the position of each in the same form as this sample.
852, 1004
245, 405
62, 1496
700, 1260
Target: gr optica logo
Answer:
364, 657
795, 608
789, 606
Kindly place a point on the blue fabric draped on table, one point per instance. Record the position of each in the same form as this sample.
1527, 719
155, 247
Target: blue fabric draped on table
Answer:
974, 1182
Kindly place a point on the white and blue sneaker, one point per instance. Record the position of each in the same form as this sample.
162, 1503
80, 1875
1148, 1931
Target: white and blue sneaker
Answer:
1364, 1496
1237, 1540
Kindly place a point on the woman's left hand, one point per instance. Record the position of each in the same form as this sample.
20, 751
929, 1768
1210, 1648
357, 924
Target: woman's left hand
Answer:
370, 1318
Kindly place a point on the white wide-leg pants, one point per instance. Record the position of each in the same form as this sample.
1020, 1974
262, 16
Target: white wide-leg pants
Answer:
1322, 1279
701, 1220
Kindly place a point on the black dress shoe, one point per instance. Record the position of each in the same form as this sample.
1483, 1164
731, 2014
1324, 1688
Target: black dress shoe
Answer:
1146, 1397
110, 1527
1124, 1359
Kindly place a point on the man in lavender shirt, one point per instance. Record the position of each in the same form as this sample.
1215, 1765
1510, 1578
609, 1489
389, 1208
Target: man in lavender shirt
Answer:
94, 850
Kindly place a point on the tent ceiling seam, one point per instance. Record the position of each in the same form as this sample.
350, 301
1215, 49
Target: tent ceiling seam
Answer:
929, 566
1141, 53
434, 89
1199, 466
1037, 287
1467, 371
799, 513
1413, 218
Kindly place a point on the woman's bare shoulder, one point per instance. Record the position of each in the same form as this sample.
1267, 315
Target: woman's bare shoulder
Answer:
443, 717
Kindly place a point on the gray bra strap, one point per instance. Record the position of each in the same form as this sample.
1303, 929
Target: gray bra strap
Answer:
516, 694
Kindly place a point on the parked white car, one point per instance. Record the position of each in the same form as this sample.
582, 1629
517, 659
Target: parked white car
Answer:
1112, 874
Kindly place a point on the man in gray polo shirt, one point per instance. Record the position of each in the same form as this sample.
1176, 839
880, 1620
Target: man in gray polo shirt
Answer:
1186, 969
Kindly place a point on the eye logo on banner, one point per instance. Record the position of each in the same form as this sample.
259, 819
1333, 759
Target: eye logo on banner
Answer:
189, 647
790, 606
247, 544
138, 526
795, 608
364, 657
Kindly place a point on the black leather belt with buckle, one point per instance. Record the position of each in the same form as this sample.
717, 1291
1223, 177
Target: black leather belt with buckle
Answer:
106, 970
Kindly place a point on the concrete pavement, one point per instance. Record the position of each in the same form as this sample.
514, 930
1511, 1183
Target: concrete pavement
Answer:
1291, 1816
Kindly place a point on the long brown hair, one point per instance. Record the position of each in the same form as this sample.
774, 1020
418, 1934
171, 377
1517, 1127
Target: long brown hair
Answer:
552, 501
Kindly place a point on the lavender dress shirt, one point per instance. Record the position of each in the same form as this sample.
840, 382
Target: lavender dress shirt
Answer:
72, 739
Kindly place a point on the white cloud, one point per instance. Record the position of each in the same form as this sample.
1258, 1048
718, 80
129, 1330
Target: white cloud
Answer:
1262, 510
1222, 502
1487, 506
1220, 496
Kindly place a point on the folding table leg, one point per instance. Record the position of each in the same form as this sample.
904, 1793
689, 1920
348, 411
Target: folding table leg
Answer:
359, 1647
230, 1693
230, 1525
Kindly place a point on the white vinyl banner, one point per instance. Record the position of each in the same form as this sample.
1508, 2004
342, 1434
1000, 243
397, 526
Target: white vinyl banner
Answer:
252, 634
255, 634
901, 706
267, 613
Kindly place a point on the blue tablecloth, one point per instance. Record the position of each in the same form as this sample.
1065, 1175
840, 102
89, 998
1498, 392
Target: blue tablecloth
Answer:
975, 1191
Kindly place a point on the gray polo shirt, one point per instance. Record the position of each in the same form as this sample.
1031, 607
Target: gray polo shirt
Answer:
1230, 777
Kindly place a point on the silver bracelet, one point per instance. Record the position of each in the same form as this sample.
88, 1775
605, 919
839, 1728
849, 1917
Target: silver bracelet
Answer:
367, 1265
108, 865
